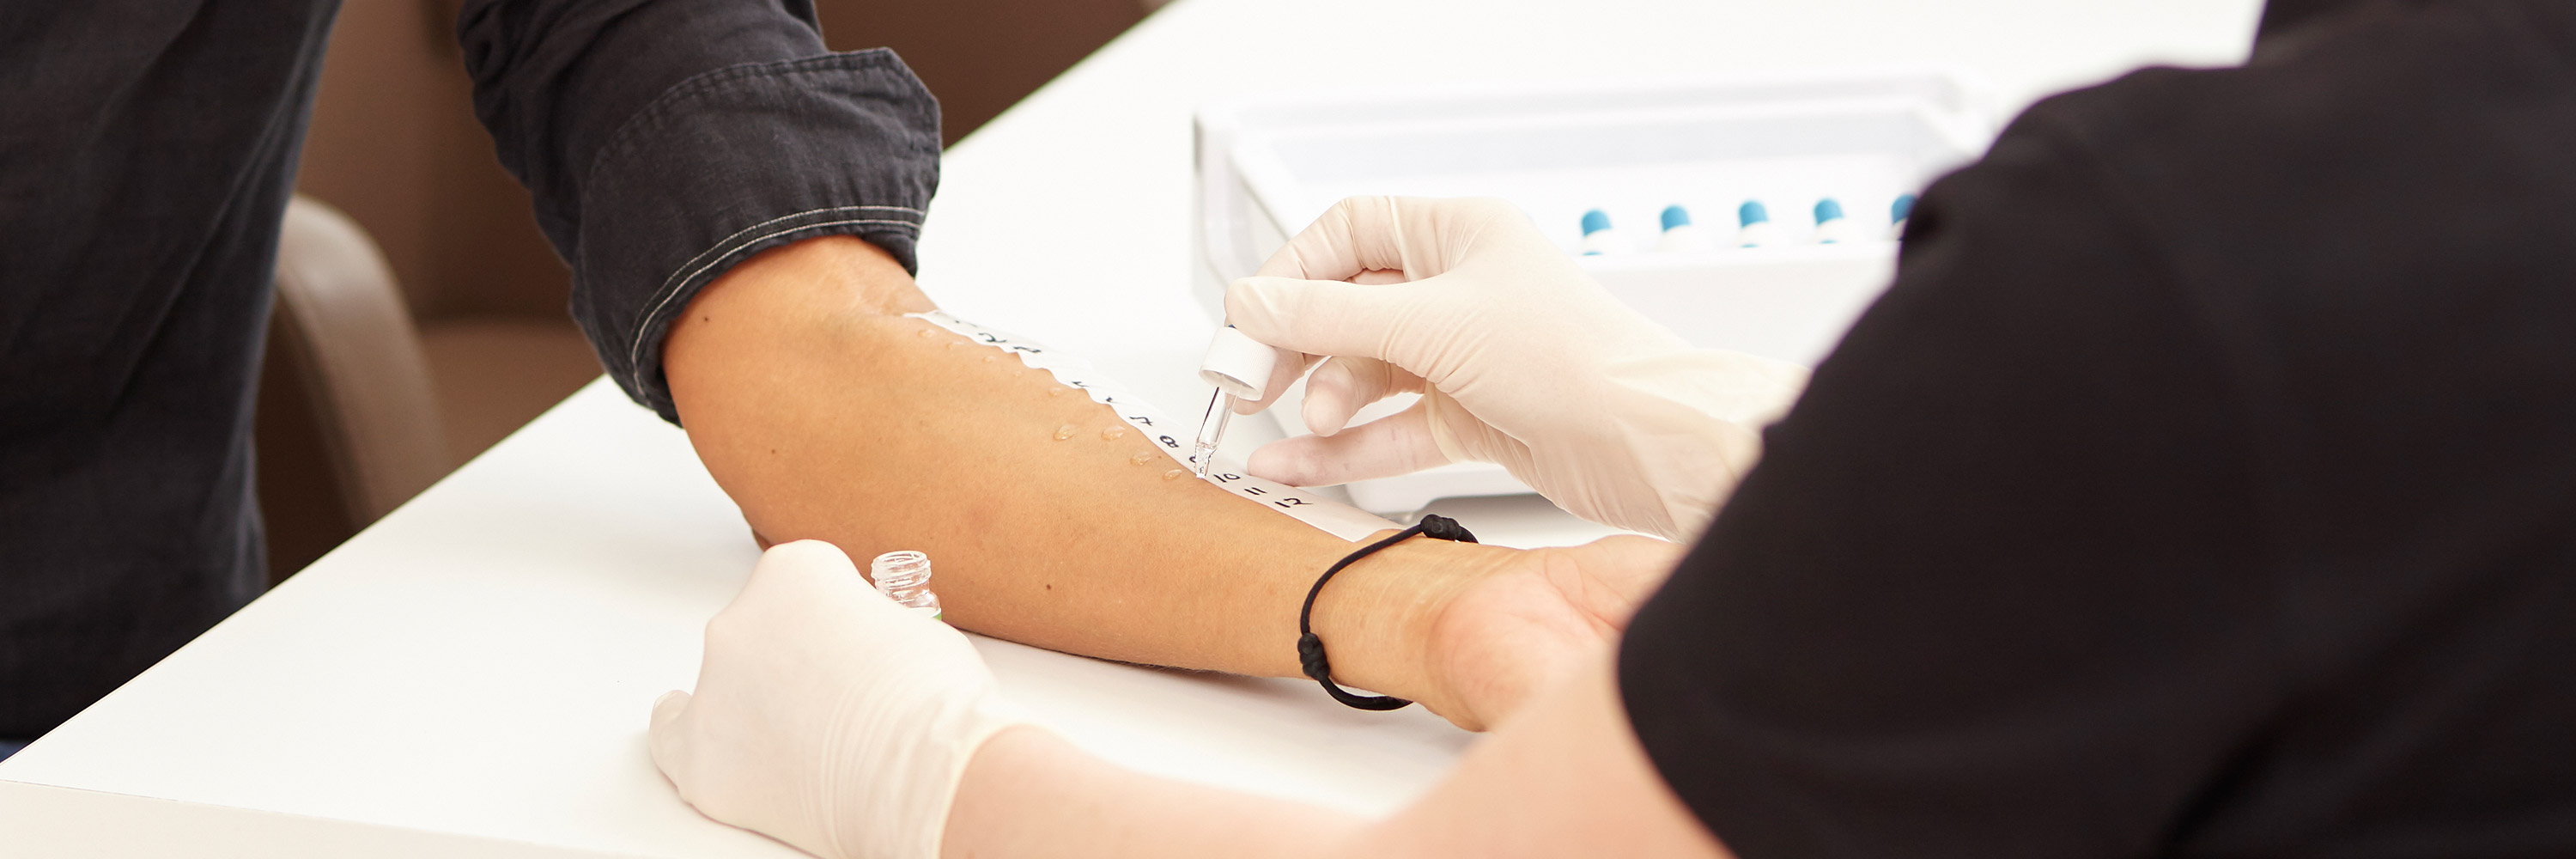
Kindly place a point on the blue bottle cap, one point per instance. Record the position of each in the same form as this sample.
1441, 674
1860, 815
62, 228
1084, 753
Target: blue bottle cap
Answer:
1828, 210
1751, 213
1676, 216
1903, 206
1595, 221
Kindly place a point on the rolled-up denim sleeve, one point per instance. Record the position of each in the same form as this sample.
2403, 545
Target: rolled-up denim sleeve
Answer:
666, 140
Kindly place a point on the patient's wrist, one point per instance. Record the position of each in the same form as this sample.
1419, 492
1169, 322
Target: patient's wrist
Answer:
1376, 618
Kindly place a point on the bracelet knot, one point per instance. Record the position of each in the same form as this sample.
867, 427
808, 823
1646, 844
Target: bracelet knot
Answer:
1310, 654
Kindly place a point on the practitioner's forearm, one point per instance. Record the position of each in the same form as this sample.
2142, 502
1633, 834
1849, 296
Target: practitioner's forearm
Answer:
1029, 793
1565, 777
826, 414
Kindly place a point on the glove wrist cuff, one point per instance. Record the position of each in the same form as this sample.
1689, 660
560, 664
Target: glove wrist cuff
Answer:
894, 788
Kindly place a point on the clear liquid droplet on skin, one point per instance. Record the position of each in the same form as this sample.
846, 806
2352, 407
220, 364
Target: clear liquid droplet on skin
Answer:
1112, 433
1065, 432
1142, 458
1175, 474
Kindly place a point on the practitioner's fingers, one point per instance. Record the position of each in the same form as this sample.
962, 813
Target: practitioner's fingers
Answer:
1325, 317
1291, 363
1355, 235
1400, 443
1283, 373
1343, 386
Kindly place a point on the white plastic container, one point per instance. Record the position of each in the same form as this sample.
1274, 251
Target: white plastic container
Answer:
1269, 165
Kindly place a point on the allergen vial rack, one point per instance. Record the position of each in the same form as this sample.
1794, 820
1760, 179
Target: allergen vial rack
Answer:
1581, 156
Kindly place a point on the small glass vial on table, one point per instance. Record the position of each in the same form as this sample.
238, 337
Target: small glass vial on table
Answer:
905, 577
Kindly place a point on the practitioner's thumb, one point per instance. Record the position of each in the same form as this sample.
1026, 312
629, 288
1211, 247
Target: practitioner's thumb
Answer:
669, 739
1318, 317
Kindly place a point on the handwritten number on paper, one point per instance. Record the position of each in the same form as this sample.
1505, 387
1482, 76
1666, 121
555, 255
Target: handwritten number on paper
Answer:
1254, 490
1175, 444
1290, 501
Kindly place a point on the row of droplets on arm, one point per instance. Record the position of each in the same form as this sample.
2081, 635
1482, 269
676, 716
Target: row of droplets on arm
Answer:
904, 575
1067, 432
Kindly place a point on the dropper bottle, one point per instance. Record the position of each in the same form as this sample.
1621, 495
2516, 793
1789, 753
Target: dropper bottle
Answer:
1239, 368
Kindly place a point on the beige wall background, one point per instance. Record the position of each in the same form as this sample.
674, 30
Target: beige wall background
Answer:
395, 145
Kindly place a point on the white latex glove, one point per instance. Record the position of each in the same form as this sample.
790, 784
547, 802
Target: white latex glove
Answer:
826, 715
1521, 360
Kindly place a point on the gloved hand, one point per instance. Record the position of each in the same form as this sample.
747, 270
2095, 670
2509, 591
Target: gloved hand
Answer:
826, 715
1520, 357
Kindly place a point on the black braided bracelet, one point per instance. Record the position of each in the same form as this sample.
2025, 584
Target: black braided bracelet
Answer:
1310, 649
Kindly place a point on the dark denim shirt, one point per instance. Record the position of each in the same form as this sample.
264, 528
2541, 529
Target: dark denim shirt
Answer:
147, 150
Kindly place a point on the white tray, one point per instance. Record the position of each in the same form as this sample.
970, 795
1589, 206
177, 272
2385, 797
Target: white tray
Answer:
1269, 165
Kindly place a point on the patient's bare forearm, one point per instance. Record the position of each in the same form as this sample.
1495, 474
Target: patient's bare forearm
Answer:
827, 414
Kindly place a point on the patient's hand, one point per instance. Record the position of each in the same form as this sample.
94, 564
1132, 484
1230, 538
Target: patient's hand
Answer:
1516, 619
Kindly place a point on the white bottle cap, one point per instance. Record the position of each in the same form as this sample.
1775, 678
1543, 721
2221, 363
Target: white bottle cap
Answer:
1238, 364
1604, 242
1837, 231
1757, 234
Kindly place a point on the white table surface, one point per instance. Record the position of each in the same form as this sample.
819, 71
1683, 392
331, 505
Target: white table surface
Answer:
473, 672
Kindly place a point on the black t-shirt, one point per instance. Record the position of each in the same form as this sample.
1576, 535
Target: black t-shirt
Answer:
2204, 486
